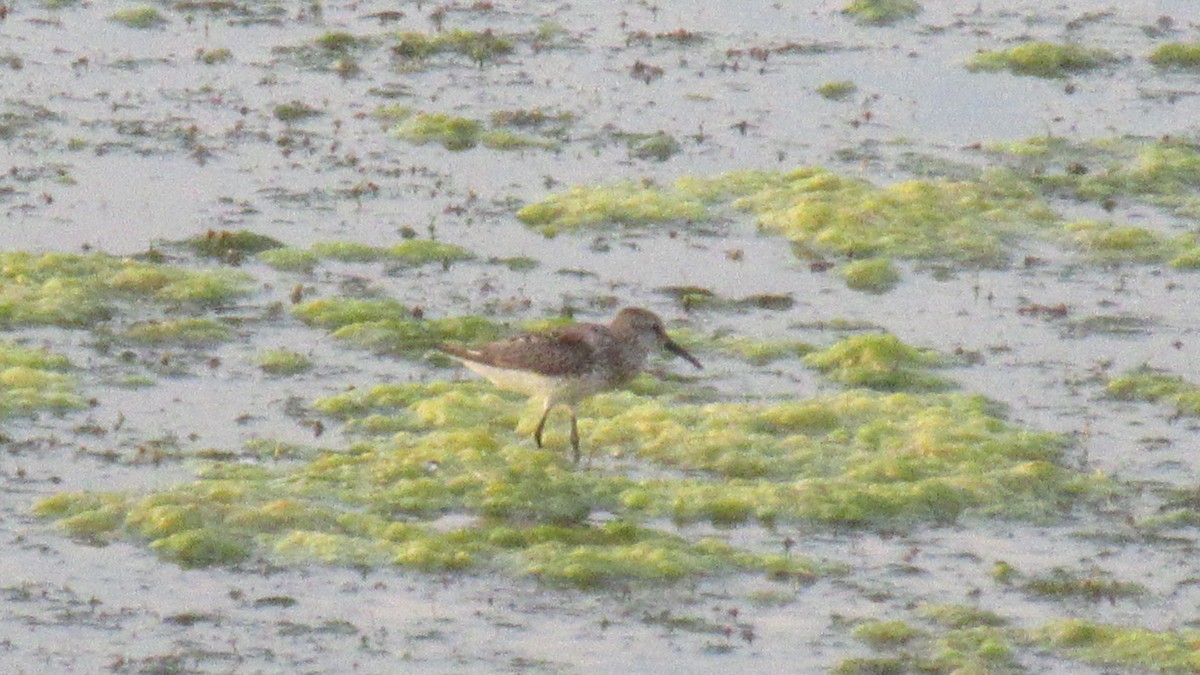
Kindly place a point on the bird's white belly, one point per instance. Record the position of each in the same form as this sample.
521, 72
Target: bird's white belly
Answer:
569, 390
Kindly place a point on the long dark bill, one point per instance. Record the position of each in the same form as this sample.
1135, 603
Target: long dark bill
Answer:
673, 347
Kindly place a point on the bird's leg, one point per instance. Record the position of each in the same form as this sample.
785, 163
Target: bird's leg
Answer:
537, 433
574, 437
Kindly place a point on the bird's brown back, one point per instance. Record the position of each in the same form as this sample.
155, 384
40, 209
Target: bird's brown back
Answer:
569, 352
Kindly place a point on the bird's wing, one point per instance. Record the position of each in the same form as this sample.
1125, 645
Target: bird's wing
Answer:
554, 353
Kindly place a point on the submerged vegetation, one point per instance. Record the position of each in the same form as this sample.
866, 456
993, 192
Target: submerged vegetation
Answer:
460, 133
139, 17
873, 275
966, 222
279, 405
1184, 56
33, 380
429, 450
81, 290
976, 222
1043, 59
880, 361
1166, 651
1147, 384
618, 204
839, 90
479, 46
1158, 171
881, 12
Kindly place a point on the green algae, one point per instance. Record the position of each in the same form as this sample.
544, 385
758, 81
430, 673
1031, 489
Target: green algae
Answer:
624, 553
881, 12
974, 649
873, 275
730, 185
960, 616
212, 57
333, 51
453, 133
412, 337
963, 222
871, 666
294, 111
838, 90
552, 124
386, 326
516, 263
1178, 55
411, 252
460, 133
659, 146
80, 291
230, 245
1147, 384
184, 332
1162, 172
201, 288
202, 547
428, 451
220, 520
820, 212
348, 251
1093, 585
139, 17
415, 252
289, 259
504, 139
333, 313
755, 352
880, 361
283, 362
856, 459
881, 634
1043, 59
340, 41
1168, 651
479, 46
33, 380
696, 298
1108, 242
626, 203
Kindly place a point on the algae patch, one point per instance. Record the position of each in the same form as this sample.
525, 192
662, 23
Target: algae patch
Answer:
283, 362
461, 133
617, 204
837, 90
185, 332
820, 212
1179, 55
881, 12
1167, 651
880, 361
874, 275
438, 453
33, 380
1043, 59
1162, 172
139, 17
384, 326
973, 646
1148, 384
80, 291
479, 46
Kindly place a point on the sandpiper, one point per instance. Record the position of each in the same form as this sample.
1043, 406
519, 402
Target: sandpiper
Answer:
566, 365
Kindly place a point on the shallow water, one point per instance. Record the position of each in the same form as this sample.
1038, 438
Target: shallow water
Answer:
125, 140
